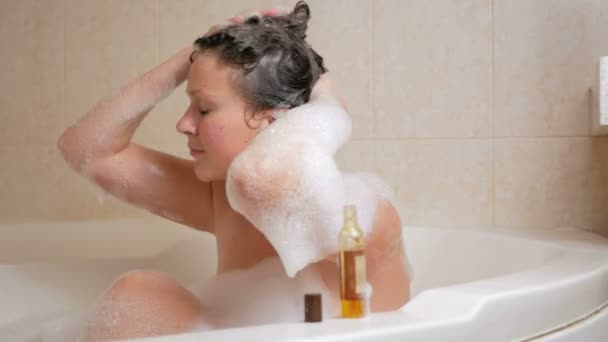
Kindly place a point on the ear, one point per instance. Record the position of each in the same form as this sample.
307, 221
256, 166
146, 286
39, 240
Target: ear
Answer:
267, 117
277, 113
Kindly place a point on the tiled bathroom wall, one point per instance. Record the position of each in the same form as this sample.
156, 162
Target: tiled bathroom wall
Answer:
475, 111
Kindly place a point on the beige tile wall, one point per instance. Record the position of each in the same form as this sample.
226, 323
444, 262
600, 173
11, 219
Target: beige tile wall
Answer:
475, 111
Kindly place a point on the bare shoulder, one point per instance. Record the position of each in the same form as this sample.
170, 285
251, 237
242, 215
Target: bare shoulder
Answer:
387, 263
387, 231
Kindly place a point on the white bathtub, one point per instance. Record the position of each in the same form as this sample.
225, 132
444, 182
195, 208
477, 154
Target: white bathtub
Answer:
468, 285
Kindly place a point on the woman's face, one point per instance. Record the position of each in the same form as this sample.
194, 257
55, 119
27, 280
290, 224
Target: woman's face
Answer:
216, 120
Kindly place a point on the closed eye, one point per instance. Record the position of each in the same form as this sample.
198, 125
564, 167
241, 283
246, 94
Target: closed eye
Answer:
204, 112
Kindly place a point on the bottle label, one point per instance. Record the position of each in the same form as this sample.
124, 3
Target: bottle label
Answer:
353, 276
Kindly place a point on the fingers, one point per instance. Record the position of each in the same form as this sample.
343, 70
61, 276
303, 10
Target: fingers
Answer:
214, 29
268, 12
240, 18
276, 11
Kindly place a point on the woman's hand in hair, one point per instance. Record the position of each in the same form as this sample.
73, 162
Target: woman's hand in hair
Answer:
269, 12
240, 18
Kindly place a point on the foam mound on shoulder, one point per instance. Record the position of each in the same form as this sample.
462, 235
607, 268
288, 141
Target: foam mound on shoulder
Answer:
287, 183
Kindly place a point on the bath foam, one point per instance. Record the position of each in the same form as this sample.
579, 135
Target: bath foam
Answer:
64, 328
155, 170
262, 294
287, 183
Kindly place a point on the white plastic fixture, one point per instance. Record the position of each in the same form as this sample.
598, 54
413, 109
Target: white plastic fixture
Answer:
469, 285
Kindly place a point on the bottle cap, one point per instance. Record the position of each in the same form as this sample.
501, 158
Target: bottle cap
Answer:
313, 308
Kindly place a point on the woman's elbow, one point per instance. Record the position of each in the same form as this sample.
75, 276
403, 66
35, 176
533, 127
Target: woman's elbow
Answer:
71, 151
63, 145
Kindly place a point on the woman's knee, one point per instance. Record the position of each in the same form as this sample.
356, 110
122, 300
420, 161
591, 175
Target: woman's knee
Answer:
144, 303
154, 290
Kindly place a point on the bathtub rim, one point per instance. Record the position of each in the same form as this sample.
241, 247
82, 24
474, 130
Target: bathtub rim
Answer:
579, 243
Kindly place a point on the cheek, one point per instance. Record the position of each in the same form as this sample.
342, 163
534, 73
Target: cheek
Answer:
221, 141
214, 134
225, 140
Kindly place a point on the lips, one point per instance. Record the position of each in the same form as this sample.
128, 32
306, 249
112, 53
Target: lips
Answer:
195, 152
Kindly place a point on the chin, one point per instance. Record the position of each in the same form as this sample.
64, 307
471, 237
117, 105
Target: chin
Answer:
203, 175
208, 176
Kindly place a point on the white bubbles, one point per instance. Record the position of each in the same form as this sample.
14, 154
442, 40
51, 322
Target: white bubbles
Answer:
155, 170
58, 327
288, 185
323, 123
64, 328
263, 294
87, 160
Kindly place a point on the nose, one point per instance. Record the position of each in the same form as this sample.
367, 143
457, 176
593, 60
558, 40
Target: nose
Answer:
187, 124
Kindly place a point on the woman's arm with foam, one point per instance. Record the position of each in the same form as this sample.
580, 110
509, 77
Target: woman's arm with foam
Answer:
268, 166
300, 213
107, 128
99, 146
270, 163
288, 185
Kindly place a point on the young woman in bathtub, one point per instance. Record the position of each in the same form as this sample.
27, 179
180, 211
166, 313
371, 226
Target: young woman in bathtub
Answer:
225, 114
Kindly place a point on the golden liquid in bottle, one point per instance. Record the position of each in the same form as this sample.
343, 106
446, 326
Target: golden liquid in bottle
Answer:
353, 279
351, 292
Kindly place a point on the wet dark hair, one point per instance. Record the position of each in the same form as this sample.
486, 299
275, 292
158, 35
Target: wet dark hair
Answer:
274, 65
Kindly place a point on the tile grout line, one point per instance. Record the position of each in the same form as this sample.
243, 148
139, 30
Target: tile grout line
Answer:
493, 109
439, 138
372, 86
157, 33
65, 58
